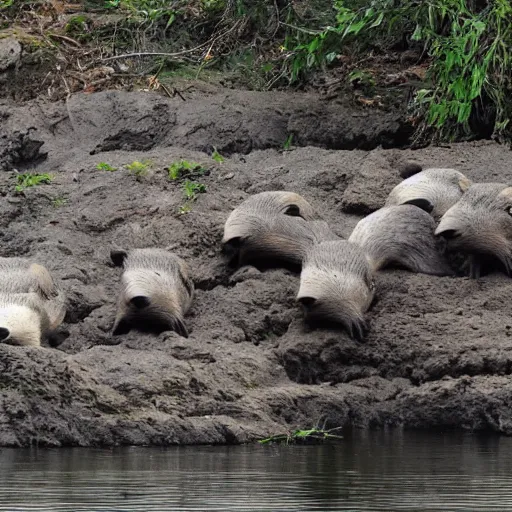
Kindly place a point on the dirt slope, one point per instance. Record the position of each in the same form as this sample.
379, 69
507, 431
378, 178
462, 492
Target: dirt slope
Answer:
439, 352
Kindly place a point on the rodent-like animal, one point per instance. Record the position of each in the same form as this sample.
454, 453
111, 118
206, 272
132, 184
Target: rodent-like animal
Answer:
479, 226
21, 275
337, 286
433, 190
156, 291
27, 319
32, 304
273, 229
401, 236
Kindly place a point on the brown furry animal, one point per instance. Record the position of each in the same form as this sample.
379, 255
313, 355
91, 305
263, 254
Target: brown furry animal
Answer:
156, 291
273, 228
433, 190
337, 285
401, 236
479, 226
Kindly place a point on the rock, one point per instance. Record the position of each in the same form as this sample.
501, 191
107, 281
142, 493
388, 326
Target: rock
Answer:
10, 52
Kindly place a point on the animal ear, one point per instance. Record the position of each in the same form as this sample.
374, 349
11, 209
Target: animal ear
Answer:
293, 210
507, 192
45, 284
307, 301
185, 279
422, 203
464, 184
409, 169
118, 256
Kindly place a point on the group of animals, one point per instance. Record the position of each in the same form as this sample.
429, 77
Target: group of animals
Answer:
430, 215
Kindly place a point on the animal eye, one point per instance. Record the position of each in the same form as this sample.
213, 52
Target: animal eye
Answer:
293, 211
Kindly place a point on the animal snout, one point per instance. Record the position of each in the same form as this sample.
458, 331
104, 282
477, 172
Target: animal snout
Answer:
140, 302
448, 234
4, 334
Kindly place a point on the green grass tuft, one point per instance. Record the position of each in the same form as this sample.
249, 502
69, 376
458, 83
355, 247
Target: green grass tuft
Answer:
28, 180
102, 166
313, 435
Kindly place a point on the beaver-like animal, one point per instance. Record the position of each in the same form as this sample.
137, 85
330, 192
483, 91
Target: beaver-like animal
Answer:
28, 319
479, 226
156, 291
273, 229
337, 285
434, 190
401, 236
21, 275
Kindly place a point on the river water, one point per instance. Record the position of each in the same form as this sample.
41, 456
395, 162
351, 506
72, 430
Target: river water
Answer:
376, 471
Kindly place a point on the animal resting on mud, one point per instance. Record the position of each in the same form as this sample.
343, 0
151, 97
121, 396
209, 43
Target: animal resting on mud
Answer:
282, 229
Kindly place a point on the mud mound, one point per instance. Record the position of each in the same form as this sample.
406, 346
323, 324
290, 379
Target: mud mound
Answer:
439, 352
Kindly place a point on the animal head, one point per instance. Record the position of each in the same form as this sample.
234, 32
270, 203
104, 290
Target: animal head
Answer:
401, 236
337, 286
271, 228
23, 321
433, 190
480, 224
156, 291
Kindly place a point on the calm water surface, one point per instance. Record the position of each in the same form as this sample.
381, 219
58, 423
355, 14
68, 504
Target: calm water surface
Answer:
375, 471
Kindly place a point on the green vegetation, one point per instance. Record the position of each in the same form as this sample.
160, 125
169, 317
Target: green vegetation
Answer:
312, 435
192, 188
464, 47
59, 202
185, 169
27, 180
139, 169
288, 142
102, 166
469, 46
217, 156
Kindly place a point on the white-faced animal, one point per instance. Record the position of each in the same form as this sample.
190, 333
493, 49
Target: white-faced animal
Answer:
337, 286
401, 236
27, 319
273, 229
479, 226
156, 291
433, 190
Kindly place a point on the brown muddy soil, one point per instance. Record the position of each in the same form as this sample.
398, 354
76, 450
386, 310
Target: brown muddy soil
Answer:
439, 350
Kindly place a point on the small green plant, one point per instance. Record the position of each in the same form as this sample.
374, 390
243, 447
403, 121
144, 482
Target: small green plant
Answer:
192, 188
362, 80
27, 180
287, 144
102, 166
139, 169
217, 156
59, 201
184, 168
302, 436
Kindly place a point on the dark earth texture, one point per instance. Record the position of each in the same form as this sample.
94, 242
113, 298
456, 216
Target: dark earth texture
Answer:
439, 350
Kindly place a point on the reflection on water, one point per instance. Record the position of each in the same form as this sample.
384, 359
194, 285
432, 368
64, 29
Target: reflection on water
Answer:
373, 471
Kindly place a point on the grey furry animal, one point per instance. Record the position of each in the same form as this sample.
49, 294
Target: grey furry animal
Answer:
433, 190
401, 236
32, 305
479, 226
273, 228
156, 291
21, 275
337, 285
27, 319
